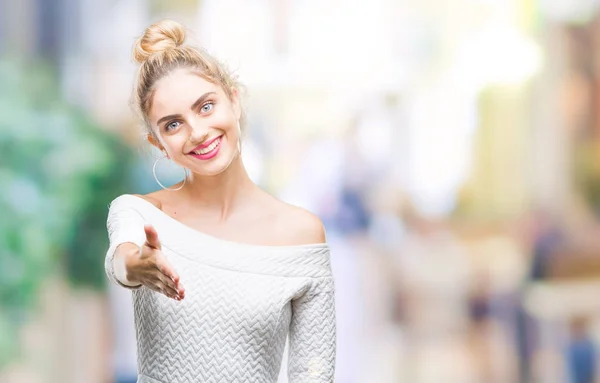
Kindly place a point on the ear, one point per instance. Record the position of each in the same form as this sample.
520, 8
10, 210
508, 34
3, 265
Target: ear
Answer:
151, 139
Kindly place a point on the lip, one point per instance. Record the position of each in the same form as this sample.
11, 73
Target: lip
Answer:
209, 155
204, 145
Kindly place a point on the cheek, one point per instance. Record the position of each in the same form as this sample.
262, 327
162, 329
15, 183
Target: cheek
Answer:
174, 144
223, 119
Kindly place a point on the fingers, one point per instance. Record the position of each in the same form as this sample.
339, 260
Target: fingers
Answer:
170, 277
160, 275
169, 285
152, 237
181, 290
170, 273
161, 288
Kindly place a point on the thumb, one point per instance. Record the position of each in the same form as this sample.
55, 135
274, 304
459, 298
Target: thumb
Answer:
152, 237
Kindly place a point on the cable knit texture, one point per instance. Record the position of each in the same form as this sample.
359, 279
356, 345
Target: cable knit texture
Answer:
241, 303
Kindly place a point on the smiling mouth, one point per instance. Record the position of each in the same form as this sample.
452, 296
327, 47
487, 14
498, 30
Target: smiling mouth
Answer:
209, 151
209, 148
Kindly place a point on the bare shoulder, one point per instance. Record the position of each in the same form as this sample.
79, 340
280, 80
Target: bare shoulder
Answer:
299, 226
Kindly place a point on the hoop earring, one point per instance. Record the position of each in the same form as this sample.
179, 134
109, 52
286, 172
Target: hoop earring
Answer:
158, 182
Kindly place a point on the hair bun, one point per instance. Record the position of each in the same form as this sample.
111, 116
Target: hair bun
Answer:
158, 37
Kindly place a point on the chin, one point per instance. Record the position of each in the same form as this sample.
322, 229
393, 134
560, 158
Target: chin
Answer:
212, 167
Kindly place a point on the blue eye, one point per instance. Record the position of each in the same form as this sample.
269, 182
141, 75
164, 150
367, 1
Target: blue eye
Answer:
207, 107
172, 125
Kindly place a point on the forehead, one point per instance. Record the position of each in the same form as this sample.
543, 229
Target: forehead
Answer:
176, 92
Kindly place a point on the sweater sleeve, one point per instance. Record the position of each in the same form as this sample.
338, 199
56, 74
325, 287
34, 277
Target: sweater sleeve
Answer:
124, 224
313, 334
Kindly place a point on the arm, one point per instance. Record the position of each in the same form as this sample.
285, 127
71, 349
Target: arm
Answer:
313, 335
126, 236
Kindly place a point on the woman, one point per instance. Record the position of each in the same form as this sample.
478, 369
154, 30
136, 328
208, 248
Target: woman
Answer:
222, 272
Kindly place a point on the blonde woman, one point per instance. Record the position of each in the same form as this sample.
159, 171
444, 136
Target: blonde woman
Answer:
221, 272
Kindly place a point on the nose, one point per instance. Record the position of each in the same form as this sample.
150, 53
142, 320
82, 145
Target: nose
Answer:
199, 132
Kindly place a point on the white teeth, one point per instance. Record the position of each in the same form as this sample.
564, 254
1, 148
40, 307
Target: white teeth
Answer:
209, 148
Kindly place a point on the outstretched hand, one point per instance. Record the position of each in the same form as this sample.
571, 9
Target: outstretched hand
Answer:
152, 269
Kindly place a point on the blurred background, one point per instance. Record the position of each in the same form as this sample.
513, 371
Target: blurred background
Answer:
452, 149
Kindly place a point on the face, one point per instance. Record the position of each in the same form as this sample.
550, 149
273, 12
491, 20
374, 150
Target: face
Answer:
196, 122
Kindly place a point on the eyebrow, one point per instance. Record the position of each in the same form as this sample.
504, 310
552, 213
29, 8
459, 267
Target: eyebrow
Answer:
196, 103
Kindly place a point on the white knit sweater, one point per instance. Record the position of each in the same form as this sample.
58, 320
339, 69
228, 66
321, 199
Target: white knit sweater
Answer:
241, 302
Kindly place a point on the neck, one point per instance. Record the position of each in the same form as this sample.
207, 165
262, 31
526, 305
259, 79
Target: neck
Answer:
223, 194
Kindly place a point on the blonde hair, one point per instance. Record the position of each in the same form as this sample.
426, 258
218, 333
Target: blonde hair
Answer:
160, 50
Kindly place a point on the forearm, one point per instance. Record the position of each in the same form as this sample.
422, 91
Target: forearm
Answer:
125, 228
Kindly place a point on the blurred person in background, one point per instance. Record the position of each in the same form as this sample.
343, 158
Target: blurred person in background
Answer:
581, 352
255, 269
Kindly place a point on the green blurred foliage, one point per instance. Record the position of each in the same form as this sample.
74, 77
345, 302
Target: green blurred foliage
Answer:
58, 172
